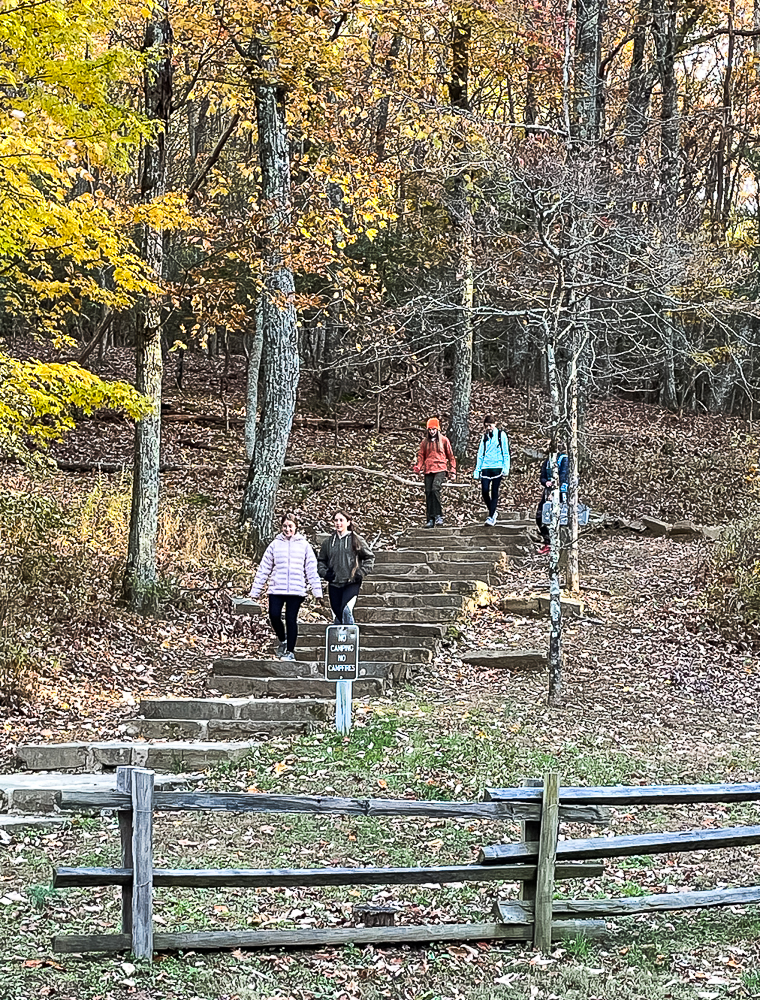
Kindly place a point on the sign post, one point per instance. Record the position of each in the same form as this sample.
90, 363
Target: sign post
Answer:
342, 666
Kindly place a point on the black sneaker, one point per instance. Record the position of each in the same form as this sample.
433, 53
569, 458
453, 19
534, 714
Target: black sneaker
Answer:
430, 524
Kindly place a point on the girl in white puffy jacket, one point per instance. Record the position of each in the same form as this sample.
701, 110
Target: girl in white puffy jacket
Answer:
290, 566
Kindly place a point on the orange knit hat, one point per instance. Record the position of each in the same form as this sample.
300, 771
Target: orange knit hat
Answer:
434, 422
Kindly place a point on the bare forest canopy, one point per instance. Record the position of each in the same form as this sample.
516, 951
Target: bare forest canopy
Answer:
427, 184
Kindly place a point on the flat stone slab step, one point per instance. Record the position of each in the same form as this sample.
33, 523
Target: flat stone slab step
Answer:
400, 587
436, 555
309, 687
391, 656
535, 604
215, 729
424, 600
311, 668
370, 644
390, 616
268, 668
10, 825
433, 573
506, 659
261, 710
411, 629
35, 793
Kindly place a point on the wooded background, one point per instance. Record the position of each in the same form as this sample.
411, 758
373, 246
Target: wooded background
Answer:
375, 192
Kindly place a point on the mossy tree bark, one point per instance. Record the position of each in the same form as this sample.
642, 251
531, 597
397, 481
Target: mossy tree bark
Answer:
281, 363
140, 575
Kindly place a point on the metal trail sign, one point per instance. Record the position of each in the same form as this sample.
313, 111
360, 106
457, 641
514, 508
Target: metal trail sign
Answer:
342, 666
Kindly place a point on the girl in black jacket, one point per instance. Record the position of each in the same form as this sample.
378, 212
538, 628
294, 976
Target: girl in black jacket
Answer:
344, 561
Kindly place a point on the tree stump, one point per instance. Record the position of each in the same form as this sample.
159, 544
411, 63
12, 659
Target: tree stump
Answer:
374, 916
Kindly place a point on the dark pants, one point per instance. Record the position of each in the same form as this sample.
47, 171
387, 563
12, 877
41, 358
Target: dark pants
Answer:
292, 604
433, 483
543, 528
490, 482
340, 596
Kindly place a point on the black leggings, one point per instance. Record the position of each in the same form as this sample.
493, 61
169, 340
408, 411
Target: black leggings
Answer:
543, 528
292, 604
490, 481
340, 596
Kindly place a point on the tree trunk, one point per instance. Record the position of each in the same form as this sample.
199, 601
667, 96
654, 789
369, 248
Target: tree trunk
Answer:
573, 562
252, 380
555, 603
588, 90
140, 577
461, 392
278, 316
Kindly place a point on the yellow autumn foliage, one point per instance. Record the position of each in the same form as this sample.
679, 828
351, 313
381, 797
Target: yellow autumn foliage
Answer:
39, 402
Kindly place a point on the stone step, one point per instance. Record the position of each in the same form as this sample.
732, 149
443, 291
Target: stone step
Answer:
268, 667
435, 555
369, 643
396, 586
480, 534
506, 659
310, 687
438, 557
173, 756
461, 543
12, 825
312, 668
260, 710
456, 601
394, 656
506, 521
431, 575
535, 604
215, 729
401, 632
27, 793
390, 616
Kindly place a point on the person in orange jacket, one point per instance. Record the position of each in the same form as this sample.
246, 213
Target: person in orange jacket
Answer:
434, 458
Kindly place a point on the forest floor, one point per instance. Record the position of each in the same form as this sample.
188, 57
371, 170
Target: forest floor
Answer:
654, 692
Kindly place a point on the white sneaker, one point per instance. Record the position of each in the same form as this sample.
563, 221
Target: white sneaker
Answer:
493, 518
288, 656
282, 647
489, 521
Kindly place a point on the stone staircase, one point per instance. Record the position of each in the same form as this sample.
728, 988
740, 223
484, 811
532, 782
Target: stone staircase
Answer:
430, 580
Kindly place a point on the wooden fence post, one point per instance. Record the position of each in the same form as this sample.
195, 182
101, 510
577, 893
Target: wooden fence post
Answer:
124, 785
547, 857
531, 831
142, 863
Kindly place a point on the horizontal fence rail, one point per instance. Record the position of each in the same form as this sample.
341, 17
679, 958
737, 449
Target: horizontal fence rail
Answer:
631, 795
330, 806
516, 911
620, 847
256, 878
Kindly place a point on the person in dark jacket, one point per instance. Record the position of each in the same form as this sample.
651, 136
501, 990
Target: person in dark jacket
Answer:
548, 486
344, 561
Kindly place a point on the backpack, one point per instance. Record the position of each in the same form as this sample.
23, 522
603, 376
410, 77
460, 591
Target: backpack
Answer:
501, 443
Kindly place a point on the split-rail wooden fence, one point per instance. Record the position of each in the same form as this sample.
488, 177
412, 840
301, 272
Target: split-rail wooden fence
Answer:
537, 862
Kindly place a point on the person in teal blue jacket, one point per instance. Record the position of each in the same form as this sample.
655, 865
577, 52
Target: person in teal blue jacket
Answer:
492, 464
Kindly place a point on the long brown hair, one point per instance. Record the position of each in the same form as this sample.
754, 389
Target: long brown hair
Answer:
355, 543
